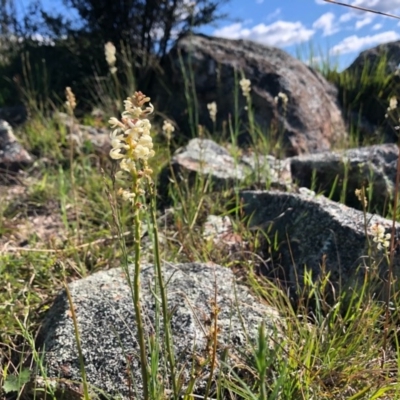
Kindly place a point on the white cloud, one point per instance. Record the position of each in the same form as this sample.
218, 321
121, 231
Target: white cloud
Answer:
364, 21
259, 1
326, 23
377, 27
346, 17
233, 31
279, 33
354, 43
388, 6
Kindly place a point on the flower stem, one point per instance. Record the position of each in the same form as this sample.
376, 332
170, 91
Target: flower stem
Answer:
163, 293
136, 300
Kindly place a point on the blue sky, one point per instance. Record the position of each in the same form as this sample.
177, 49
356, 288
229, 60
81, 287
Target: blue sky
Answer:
298, 25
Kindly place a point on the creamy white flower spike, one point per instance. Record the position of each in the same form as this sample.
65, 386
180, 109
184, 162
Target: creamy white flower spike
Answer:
212, 110
245, 85
168, 129
110, 52
132, 143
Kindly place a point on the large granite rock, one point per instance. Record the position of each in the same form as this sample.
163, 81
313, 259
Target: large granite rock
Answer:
205, 158
372, 167
369, 96
80, 135
12, 155
312, 122
107, 327
370, 58
316, 233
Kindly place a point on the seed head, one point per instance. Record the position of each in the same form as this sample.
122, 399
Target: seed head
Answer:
361, 197
110, 52
168, 129
71, 100
245, 85
212, 110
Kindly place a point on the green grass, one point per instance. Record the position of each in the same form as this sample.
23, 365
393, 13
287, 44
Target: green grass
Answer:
334, 346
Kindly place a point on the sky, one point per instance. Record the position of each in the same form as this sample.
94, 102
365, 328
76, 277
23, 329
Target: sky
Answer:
313, 30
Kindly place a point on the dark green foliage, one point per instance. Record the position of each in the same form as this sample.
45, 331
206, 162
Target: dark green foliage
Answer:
364, 93
147, 26
145, 29
41, 72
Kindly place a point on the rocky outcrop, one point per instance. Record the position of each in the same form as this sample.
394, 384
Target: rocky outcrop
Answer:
316, 233
368, 97
99, 138
370, 58
205, 158
372, 167
107, 328
12, 155
312, 120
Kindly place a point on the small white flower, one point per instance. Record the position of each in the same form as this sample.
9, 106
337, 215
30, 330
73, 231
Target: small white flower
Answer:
110, 52
128, 165
360, 196
114, 122
379, 237
127, 195
392, 106
393, 103
245, 85
168, 129
115, 154
212, 109
283, 97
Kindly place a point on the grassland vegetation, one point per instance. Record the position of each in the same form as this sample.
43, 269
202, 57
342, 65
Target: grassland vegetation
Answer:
69, 216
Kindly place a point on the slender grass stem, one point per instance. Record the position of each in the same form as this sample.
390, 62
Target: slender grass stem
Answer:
78, 344
392, 250
136, 301
163, 292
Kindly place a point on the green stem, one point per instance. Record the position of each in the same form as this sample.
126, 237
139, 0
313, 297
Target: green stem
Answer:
136, 301
78, 344
163, 293
118, 90
392, 251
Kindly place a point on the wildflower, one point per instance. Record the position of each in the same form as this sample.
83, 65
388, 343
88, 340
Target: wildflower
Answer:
379, 237
132, 143
127, 195
392, 105
245, 85
212, 109
283, 97
71, 100
361, 197
168, 129
110, 53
